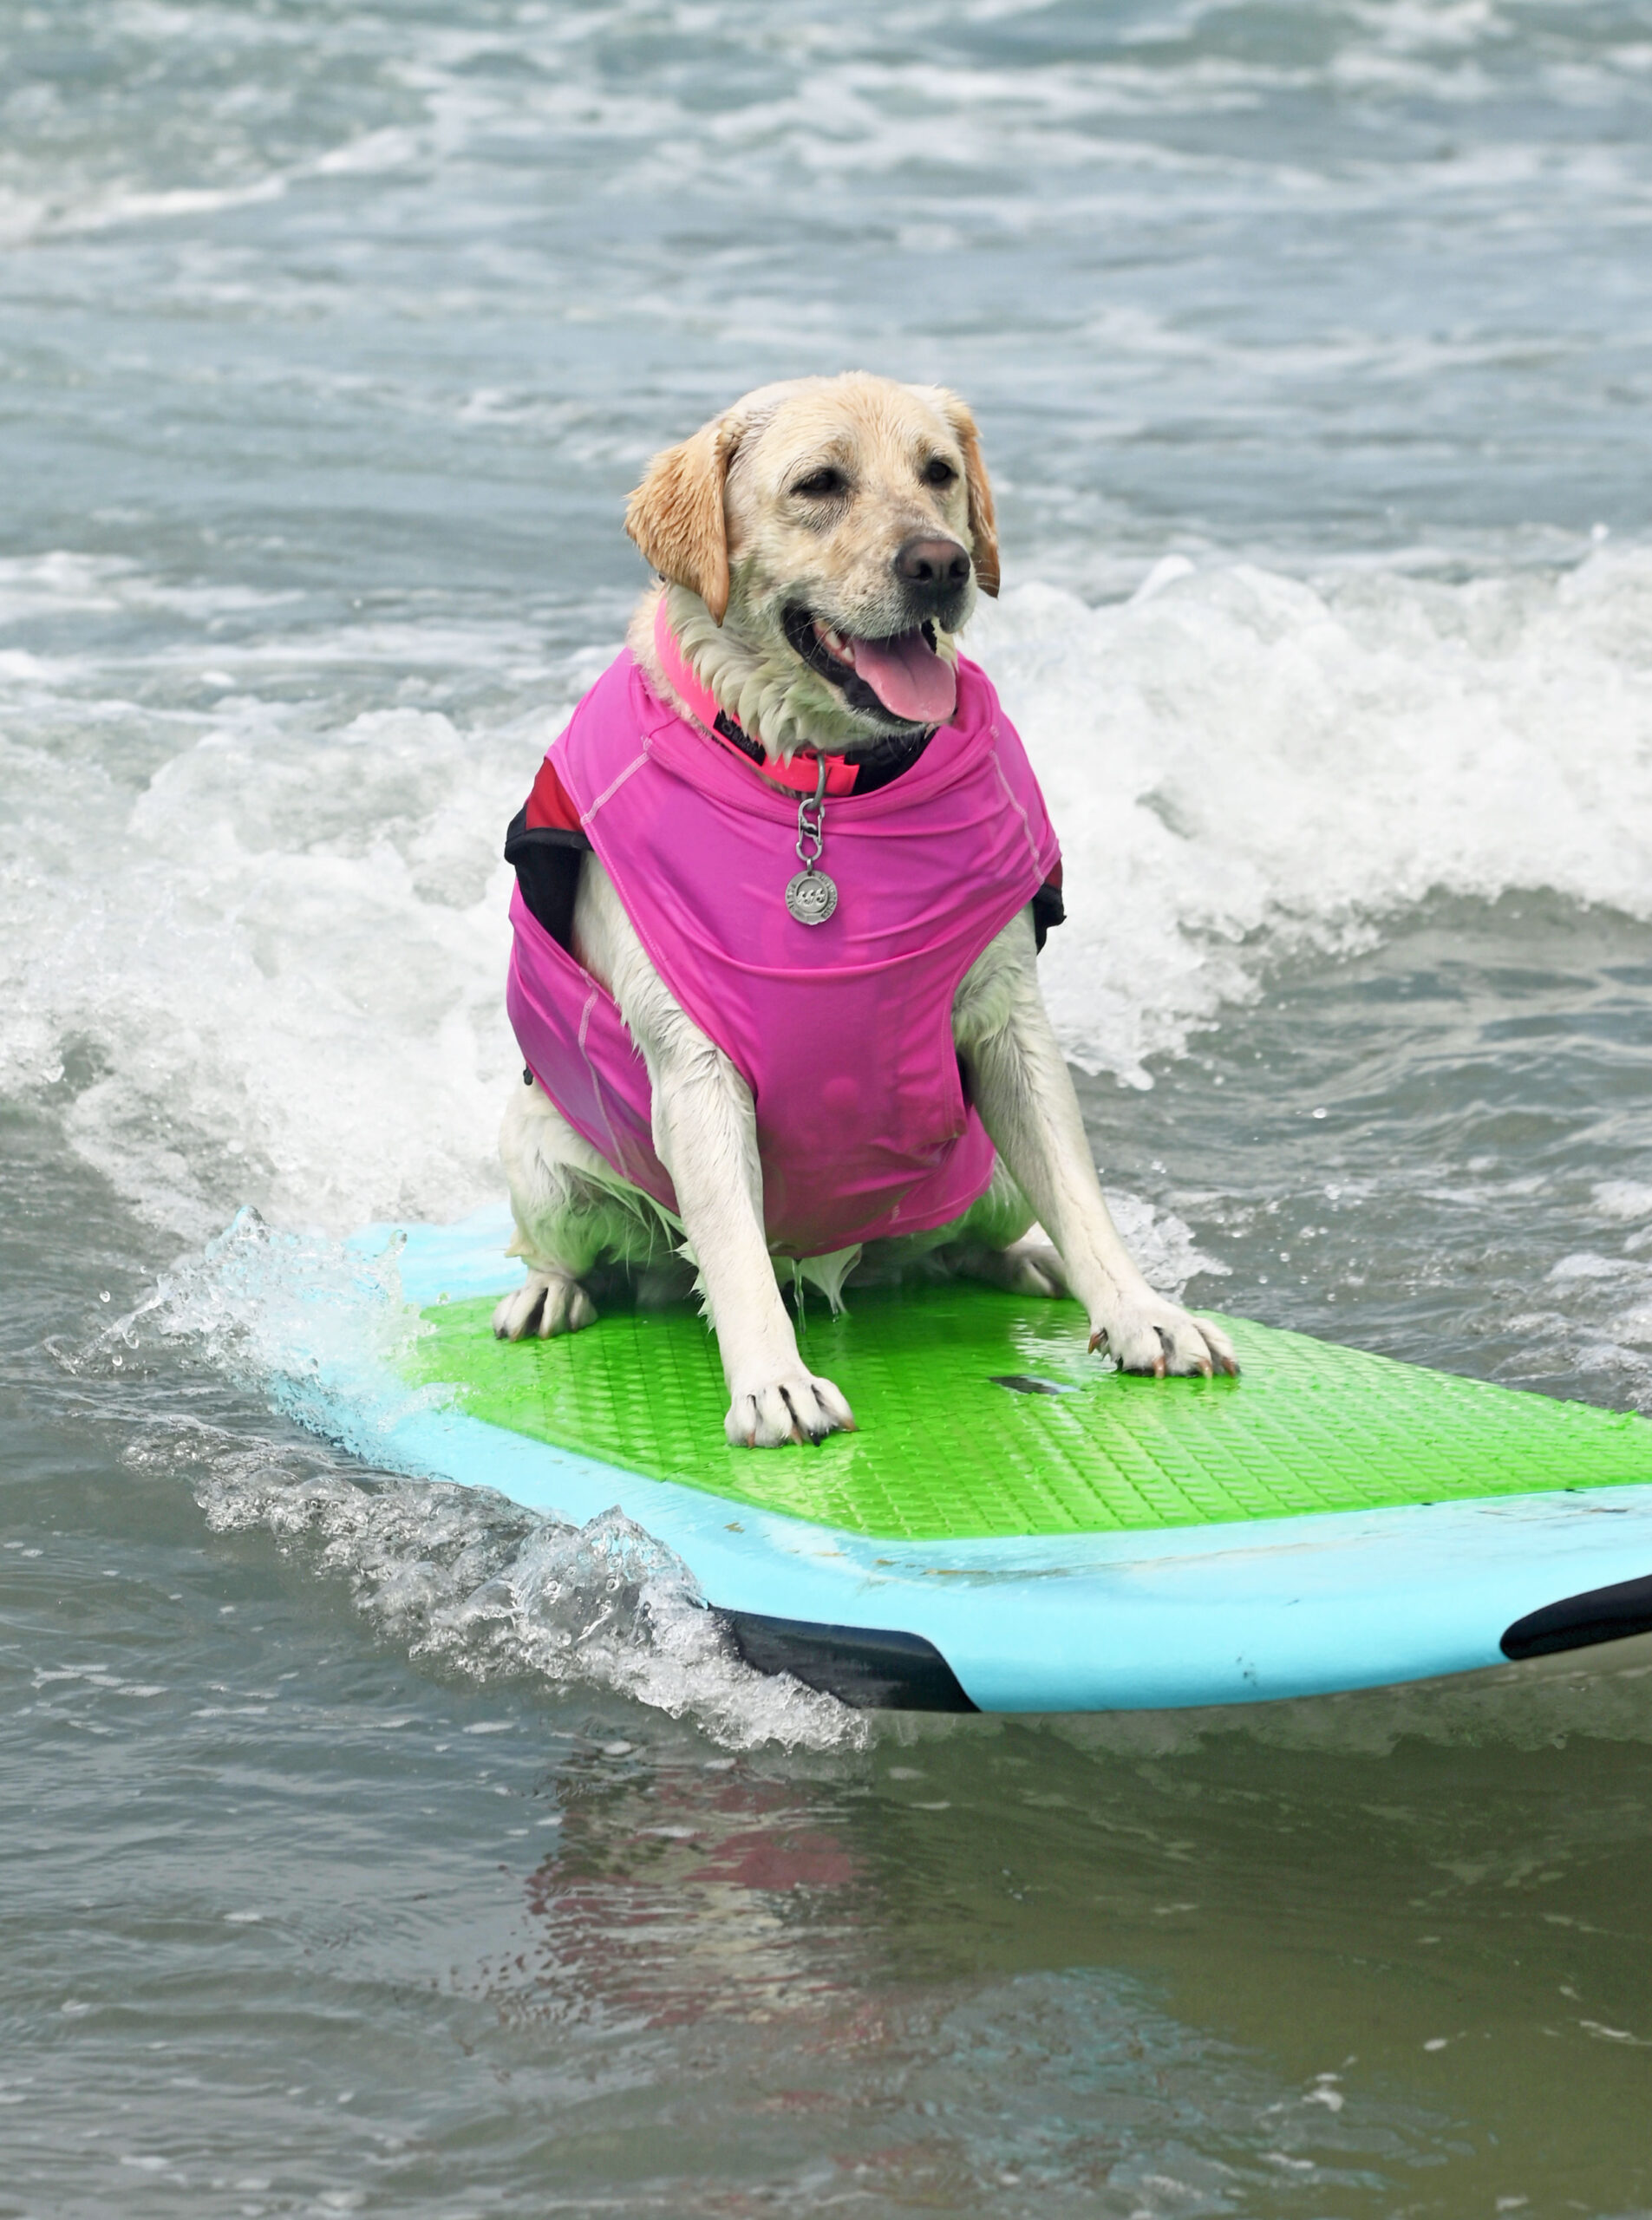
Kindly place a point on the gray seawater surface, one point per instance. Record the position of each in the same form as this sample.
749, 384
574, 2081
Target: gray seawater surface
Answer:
369, 1847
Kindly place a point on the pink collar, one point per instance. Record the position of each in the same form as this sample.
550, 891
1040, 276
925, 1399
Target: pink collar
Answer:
800, 776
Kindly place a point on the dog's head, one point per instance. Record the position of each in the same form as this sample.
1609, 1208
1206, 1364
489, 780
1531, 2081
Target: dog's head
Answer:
837, 530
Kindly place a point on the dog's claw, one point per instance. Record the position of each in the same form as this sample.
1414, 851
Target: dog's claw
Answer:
546, 1304
1155, 1339
799, 1408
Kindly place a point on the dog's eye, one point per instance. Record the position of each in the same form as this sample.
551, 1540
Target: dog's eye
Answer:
938, 471
818, 483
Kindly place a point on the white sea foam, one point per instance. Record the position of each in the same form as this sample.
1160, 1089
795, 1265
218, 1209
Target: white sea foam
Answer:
1238, 762
282, 960
466, 1582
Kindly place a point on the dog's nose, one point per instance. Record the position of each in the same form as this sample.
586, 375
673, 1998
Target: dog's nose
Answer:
935, 568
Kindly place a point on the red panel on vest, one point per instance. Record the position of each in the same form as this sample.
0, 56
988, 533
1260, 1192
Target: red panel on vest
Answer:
549, 806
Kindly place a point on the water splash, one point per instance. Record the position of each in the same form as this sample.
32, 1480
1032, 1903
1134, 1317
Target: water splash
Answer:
462, 1580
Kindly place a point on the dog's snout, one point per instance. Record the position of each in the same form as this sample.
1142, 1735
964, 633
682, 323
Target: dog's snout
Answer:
934, 568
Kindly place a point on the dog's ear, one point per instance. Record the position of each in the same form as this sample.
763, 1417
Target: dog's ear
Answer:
983, 524
675, 516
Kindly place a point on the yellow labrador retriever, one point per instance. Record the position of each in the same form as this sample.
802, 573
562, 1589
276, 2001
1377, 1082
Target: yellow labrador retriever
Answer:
820, 546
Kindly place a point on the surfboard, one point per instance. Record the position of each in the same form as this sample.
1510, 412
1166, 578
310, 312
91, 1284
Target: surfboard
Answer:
1014, 1527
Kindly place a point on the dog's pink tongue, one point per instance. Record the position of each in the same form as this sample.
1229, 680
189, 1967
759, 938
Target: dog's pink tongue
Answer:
908, 677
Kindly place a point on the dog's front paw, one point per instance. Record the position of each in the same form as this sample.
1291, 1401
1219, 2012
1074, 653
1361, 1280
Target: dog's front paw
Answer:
1146, 1334
794, 1407
545, 1304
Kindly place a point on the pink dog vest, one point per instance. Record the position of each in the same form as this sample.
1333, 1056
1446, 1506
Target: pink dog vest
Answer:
843, 1031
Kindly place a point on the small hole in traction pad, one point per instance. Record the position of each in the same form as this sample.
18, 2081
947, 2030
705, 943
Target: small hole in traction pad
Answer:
1028, 1383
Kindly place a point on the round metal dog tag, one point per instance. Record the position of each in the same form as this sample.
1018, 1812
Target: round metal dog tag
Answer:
812, 897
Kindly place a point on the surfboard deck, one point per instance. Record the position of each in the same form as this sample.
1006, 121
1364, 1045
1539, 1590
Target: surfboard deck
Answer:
1016, 1527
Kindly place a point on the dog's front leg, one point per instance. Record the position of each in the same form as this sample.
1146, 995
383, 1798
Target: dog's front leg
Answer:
705, 1132
1025, 1095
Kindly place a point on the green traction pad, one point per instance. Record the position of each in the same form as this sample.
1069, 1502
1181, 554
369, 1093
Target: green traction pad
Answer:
943, 1452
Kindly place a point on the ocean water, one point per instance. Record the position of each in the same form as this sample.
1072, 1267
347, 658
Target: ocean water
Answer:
372, 1847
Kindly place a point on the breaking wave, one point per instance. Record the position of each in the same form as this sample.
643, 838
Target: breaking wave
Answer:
289, 995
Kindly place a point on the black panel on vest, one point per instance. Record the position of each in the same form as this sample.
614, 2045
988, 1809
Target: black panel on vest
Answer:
874, 1668
546, 862
1048, 912
1578, 1622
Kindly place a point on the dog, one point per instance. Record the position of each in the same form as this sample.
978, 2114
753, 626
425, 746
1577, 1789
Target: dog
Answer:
819, 548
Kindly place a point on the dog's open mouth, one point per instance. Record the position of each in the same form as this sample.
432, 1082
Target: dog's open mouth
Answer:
903, 676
